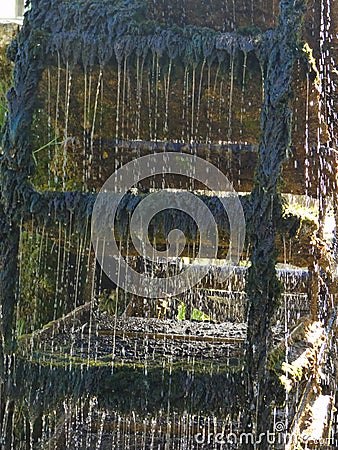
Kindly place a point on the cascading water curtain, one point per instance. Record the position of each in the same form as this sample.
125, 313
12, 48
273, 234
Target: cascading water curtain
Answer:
87, 364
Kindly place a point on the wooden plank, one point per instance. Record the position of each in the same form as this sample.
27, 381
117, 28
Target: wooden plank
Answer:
172, 337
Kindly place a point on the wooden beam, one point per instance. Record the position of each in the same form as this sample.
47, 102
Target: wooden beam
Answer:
237, 161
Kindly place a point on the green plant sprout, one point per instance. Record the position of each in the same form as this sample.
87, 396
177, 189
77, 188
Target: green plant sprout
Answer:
47, 145
181, 311
196, 314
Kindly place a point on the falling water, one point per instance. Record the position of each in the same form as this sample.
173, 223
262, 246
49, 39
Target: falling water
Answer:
98, 367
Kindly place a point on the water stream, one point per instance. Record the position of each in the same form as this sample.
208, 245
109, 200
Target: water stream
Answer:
85, 364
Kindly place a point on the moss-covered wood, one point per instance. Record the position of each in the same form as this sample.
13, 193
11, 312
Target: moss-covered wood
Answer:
263, 286
191, 101
48, 209
131, 367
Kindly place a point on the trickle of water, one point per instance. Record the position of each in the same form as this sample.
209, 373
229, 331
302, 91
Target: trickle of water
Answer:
231, 91
243, 97
199, 100
65, 137
117, 123
57, 114
92, 133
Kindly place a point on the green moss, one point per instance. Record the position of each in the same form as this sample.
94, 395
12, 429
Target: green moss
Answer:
249, 30
6, 81
293, 371
312, 63
276, 360
108, 302
130, 387
43, 298
61, 358
181, 315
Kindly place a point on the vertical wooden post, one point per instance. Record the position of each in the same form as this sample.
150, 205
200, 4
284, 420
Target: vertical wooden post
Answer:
263, 288
9, 246
17, 163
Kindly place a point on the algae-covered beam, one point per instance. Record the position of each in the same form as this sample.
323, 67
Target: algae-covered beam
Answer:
16, 159
263, 287
129, 387
122, 31
9, 244
237, 161
49, 208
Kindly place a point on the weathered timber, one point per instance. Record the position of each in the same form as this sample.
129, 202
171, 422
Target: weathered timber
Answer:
237, 161
263, 287
48, 208
91, 344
